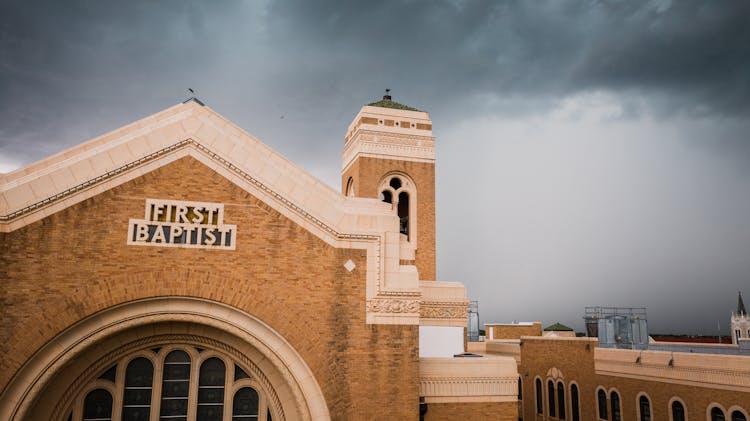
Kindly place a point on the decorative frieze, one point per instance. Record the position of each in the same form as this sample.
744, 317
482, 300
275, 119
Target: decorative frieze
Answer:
431, 310
555, 374
468, 389
443, 304
487, 379
387, 146
393, 305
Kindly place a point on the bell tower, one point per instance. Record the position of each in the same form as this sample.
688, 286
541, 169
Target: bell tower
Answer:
740, 322
389, 154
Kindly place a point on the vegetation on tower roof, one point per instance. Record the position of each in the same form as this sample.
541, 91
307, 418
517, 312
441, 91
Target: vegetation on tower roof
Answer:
557, 327
387, 103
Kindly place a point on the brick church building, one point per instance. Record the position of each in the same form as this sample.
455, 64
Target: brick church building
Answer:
179, 269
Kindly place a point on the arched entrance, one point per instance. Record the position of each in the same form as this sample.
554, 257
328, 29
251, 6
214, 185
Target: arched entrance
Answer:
51, 384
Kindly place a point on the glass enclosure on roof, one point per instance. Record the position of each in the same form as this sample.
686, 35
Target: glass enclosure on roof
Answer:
618, 327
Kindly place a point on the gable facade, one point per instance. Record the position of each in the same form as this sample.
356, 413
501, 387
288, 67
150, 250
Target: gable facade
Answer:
179, 264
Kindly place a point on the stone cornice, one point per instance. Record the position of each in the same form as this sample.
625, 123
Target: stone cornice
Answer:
728, 372
393, 305
443, 304
375, 144
393, 310
449, 312
487, 379
468, 389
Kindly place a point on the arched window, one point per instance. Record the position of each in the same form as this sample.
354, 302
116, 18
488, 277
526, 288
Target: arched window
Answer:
614, 399
211, 390
97, 406
575, 410
246, 405
136, 401
561, 400
175, 386
400, 191
738, 416
678, 411
403, 213
350, 187
601, 396
203, 384
717, 414
539, 408
644, 407
551, 398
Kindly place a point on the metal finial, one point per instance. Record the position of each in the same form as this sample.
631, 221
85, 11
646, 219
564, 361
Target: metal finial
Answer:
193, 97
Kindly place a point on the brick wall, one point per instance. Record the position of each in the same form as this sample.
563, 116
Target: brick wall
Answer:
76, 262
513, 331
500, 411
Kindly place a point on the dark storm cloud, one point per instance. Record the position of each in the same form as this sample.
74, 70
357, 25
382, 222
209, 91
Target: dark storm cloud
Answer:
110, 62
607, 140
264, 60
695, 50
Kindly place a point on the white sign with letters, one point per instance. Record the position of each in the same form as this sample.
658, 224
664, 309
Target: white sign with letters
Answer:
173, 223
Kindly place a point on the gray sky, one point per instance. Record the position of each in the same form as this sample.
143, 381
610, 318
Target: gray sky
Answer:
589, 152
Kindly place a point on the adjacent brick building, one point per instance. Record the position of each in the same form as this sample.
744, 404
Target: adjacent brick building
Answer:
573, 379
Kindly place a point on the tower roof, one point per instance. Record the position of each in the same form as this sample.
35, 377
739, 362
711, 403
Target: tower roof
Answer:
388, 102
740, 306
558, 327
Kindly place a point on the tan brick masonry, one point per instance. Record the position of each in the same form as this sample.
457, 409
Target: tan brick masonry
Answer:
76, 262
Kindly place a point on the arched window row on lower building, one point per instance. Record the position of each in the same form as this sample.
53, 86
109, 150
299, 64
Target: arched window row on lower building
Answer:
717, 413
609, 405
557, 402
165, 385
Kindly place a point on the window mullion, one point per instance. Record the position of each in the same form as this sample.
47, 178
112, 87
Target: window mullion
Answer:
78, 410
228, 391
118, 399
156, 388
193, 389
262, 407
